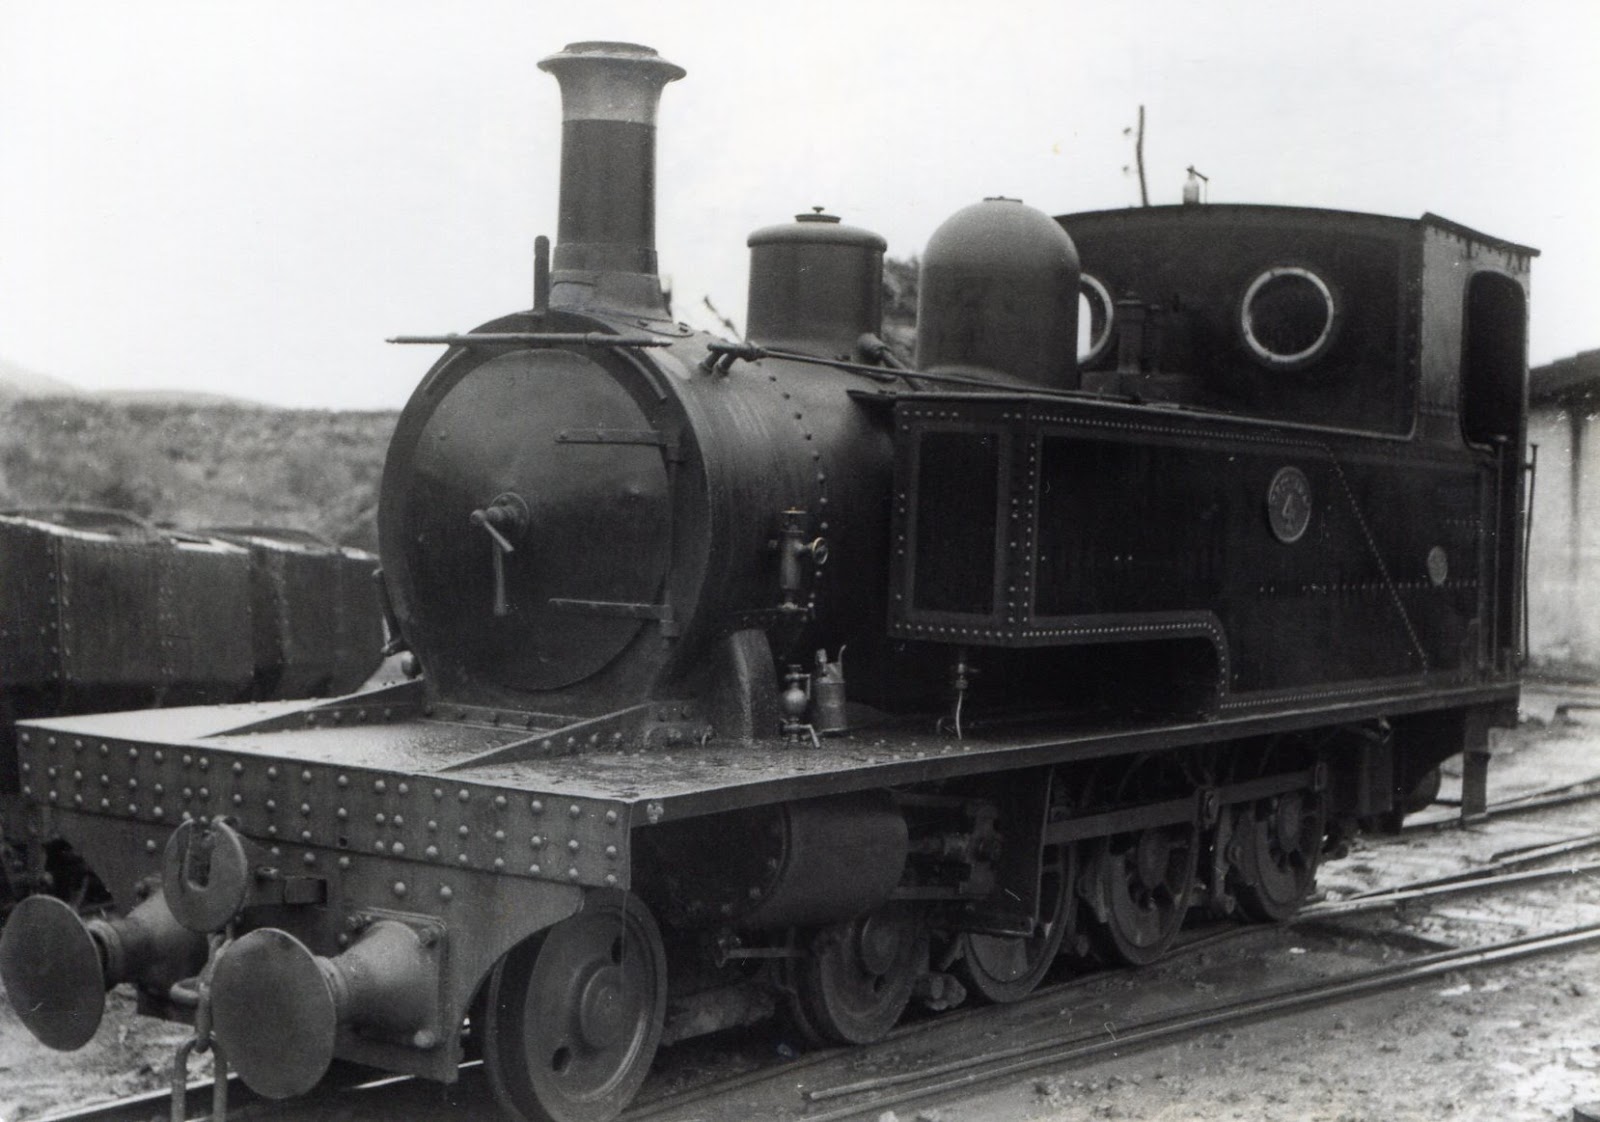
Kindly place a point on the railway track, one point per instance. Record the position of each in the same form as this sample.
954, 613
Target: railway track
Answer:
826, 1093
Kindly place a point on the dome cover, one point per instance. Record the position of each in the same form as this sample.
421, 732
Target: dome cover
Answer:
999, 293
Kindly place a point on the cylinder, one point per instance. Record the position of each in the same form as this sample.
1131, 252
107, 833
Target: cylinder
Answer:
999, 296
609, 96
816, 286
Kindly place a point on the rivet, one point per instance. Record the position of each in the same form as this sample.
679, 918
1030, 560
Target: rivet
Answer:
404, 788
310, 859
77, 776
275, 851
305, 776
611, 818
27, 738
379, 819
611, 879
611, 852
575, 810
205, 792
305, 808
463, 831
341, 814
343, 781
572, 874
105, 804
462, 857
572, 845
534, 869
400, 888
104, 749
397, 821
536, 806
205, 763
187, 759
432, 825
463, 794
272, 830
133, 784
536, 841
499, 862
398, 848
438, 792
133, 753
238, 800
500, 802
431, 851
238, 768
445, 892
157, 812
105, 780
272, 804
305, 835
378, 845
344, 862
272, 772
379, 786
150, 846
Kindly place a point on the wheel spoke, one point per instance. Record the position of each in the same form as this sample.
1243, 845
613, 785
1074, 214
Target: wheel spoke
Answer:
1279, 841
1007, 968
859, 976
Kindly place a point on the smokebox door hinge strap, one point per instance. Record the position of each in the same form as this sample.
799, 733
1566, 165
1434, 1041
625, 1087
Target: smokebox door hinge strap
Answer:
669, 447
617, 609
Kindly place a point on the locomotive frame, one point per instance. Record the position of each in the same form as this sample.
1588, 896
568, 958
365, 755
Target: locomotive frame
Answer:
1126, 636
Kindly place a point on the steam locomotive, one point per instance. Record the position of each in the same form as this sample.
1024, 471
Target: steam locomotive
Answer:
774, 676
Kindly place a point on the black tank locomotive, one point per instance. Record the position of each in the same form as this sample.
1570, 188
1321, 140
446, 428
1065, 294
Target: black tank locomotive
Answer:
773, 676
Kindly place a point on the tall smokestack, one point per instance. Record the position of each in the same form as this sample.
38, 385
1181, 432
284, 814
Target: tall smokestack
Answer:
606, 239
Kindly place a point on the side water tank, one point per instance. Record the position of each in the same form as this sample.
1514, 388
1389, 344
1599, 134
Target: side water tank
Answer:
999, 295
816, 286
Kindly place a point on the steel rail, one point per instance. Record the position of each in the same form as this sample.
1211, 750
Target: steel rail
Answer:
1443, 886
973, 1070
1561, 794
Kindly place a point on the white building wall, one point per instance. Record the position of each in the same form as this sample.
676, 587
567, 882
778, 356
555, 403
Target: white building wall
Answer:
1564, 555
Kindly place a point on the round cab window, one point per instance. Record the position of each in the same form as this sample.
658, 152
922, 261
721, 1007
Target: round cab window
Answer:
1096, 311
1288, 317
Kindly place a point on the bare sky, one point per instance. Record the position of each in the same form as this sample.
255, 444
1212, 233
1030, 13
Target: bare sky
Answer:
247, 197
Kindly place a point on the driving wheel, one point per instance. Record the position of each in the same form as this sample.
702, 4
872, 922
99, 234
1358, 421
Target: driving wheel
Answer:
1139, 881
858, 978
1003, 968
573, 1015
1279, 842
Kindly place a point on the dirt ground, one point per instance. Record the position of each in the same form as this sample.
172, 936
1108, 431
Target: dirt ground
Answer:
1519, 1043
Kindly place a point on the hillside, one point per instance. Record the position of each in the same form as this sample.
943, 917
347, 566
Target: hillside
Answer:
17, 381
198, 464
